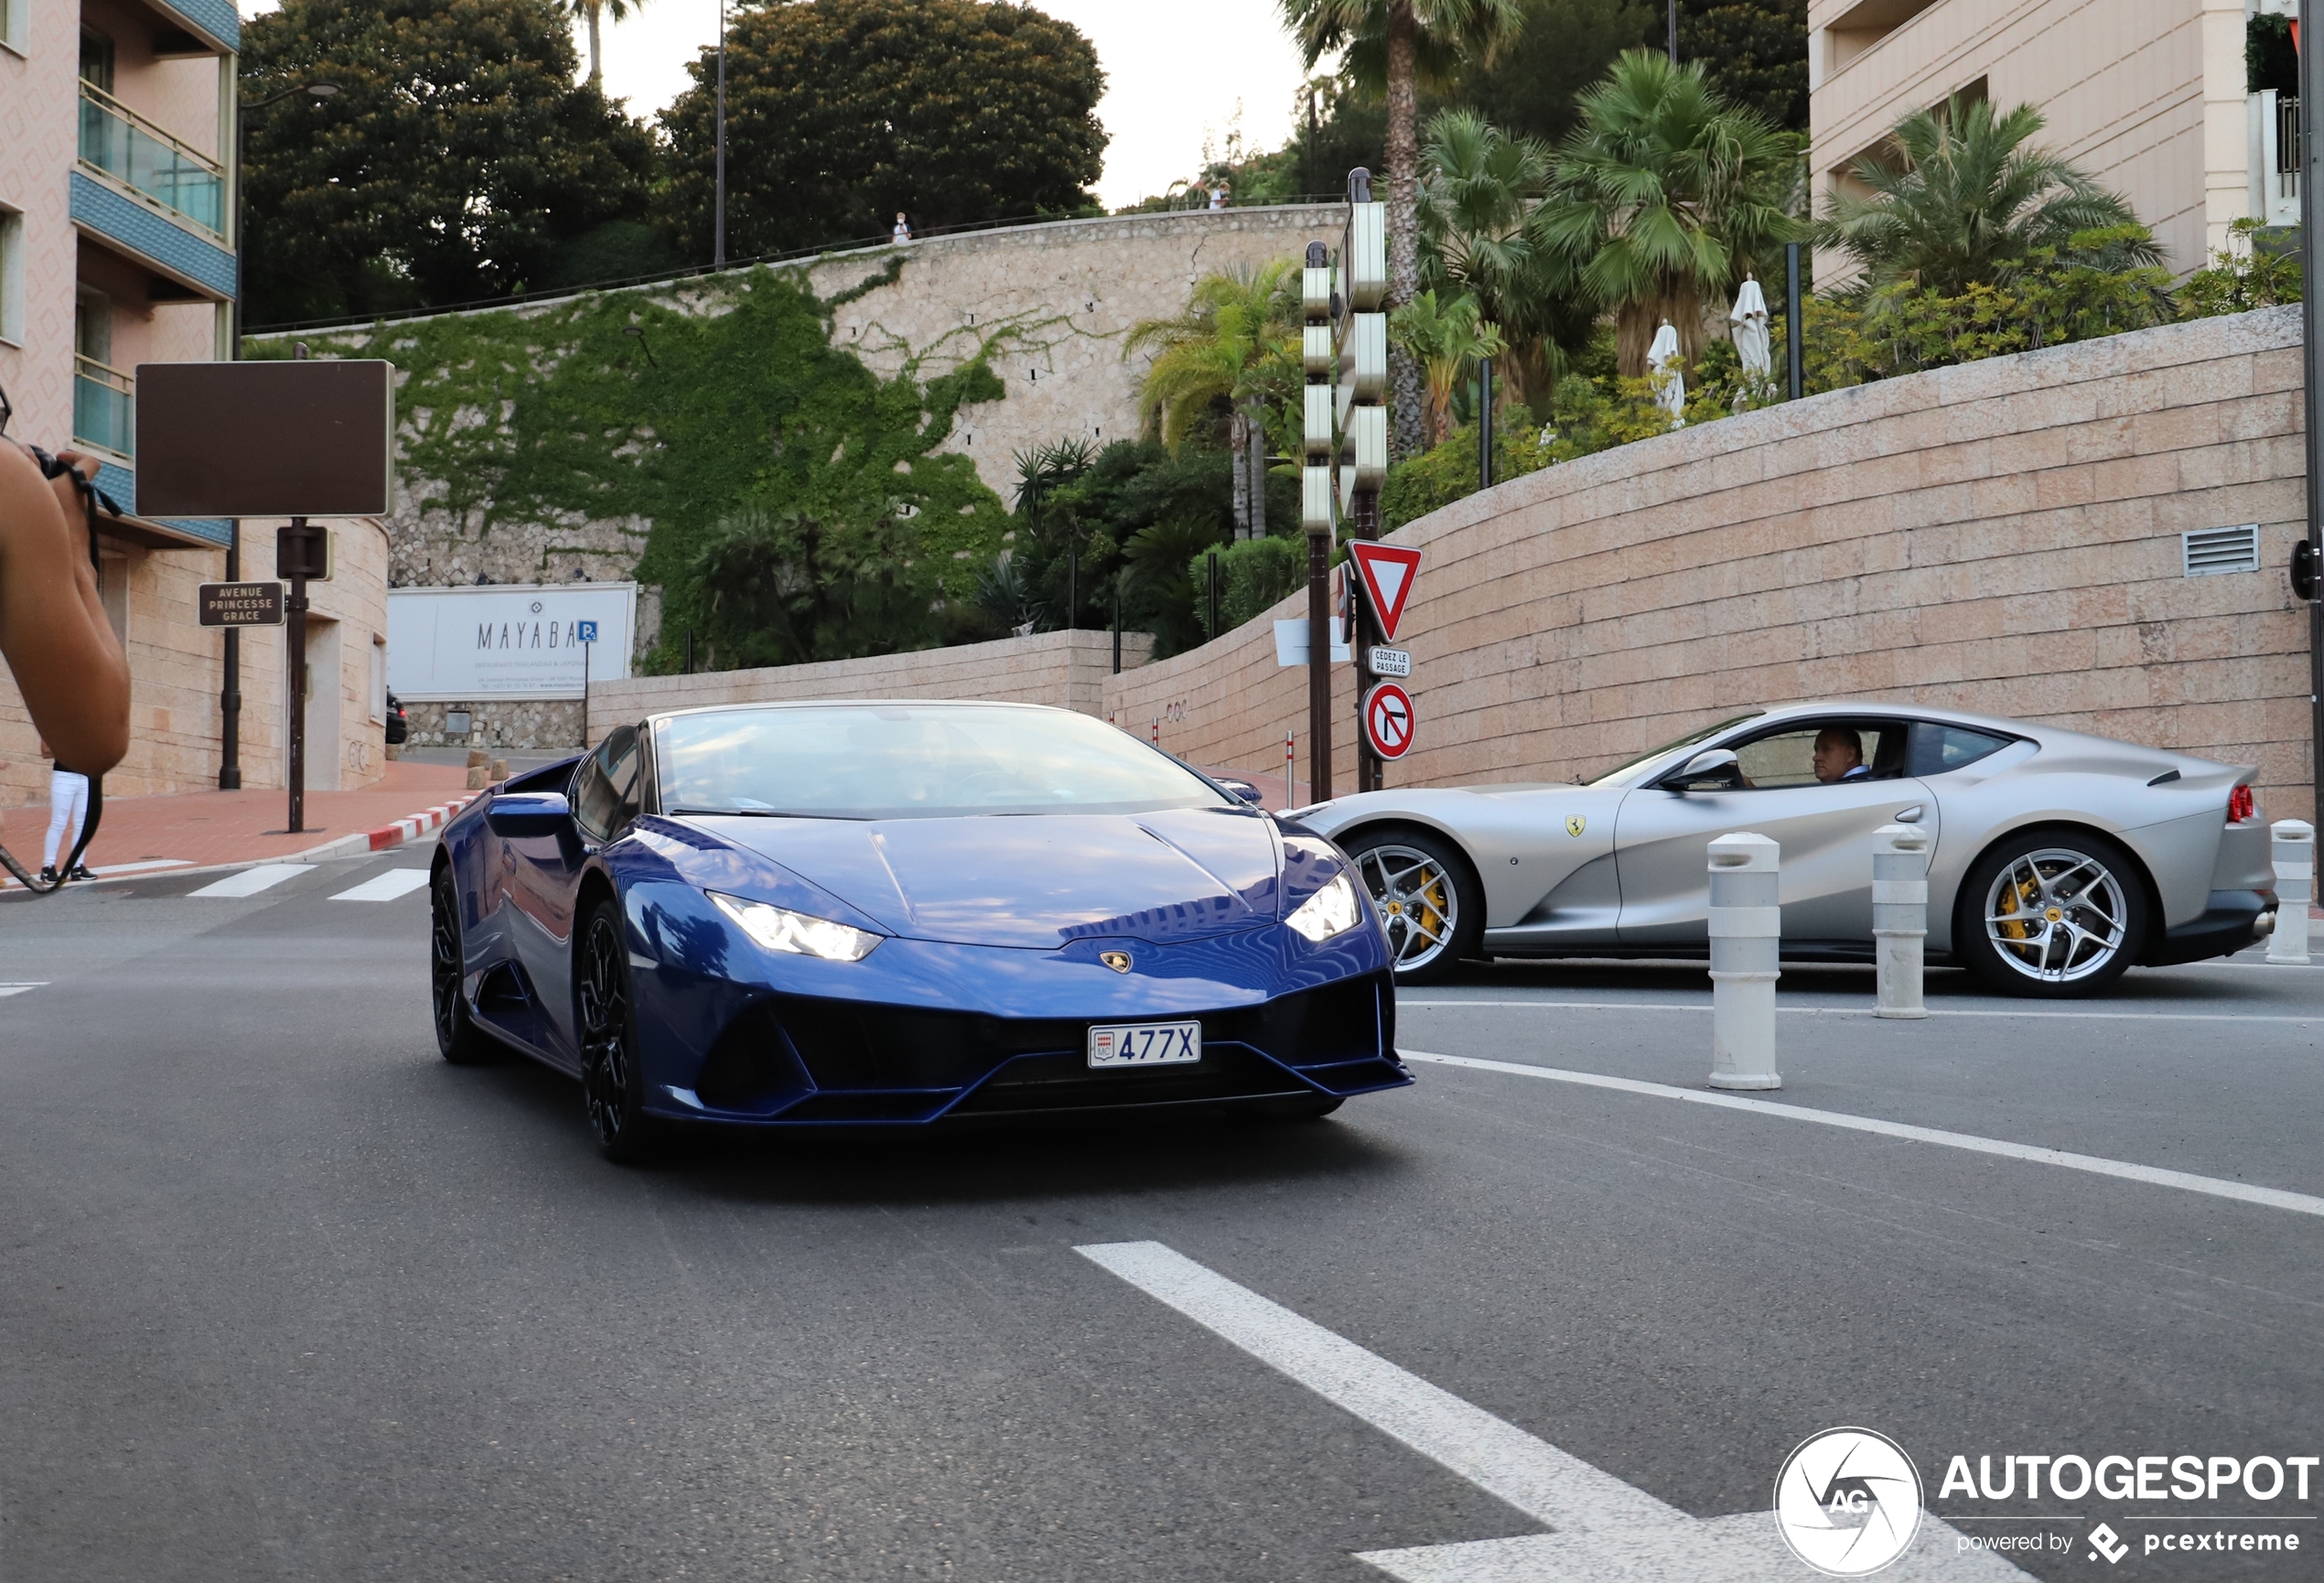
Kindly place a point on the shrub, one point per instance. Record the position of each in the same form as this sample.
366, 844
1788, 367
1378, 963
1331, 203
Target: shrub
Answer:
1254, 574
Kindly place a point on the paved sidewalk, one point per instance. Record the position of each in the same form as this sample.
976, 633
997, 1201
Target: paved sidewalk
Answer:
203, 829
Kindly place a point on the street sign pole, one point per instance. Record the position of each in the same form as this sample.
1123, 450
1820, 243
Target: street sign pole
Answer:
2311, 168
1361, 408
1320, 308
295, 642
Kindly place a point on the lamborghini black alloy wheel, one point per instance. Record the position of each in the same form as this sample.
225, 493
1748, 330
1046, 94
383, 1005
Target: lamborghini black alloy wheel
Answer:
610, 1084
456, 1036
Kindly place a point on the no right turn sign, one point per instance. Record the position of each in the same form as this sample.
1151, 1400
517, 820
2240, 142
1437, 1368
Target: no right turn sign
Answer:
1388, 720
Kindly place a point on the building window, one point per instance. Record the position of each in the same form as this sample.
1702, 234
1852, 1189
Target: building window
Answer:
11, 274
13, 24
96, 59
379, 679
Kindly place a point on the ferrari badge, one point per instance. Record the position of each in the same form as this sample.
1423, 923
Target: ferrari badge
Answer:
1576, 824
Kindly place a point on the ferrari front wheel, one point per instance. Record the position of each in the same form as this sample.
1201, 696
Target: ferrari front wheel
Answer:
1428, 900
612, 1082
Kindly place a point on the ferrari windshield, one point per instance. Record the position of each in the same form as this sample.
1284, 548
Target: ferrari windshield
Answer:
1622, 771
913, 761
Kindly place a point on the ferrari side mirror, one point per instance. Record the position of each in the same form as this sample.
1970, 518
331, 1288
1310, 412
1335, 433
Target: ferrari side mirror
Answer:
1717, 766
2304, 570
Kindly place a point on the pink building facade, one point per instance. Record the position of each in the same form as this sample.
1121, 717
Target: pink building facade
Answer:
117, 217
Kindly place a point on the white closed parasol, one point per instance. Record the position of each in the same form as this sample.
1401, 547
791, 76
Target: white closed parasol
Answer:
1662, 367
1750, 317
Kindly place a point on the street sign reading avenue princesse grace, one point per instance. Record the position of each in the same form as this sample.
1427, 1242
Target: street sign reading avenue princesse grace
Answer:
240, 604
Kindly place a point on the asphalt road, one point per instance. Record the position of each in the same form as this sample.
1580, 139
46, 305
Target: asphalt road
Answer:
283, 1295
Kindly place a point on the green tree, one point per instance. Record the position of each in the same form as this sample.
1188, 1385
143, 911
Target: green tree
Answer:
1390, 46
456, 162
841, 113
1755, 53
1531, 86
1236, 345
1665, 196
1968, 200
1447, 340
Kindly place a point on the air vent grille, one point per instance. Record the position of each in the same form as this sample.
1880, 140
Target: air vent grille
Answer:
2214, 550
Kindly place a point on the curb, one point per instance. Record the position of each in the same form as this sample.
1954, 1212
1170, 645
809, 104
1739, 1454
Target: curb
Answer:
417, 825
360, 845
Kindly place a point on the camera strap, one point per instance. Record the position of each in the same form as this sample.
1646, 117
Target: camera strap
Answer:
90, 496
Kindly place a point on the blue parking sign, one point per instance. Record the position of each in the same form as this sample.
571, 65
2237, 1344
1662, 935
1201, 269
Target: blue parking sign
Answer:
584, 632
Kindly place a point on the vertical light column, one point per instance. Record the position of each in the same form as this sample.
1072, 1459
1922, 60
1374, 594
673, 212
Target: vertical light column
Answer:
1359, 406
1319, 306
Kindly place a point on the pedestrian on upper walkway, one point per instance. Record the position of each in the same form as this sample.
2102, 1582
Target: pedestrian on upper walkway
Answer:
903, 232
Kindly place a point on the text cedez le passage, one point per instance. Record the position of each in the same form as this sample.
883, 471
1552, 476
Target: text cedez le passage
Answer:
2131, 1478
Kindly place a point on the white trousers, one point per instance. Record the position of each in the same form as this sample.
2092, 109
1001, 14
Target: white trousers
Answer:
67, 808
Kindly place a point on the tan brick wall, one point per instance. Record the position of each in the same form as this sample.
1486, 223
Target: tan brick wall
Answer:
1067, 670
2002, 537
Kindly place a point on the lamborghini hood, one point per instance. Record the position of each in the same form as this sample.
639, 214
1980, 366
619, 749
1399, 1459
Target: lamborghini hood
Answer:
1039, 880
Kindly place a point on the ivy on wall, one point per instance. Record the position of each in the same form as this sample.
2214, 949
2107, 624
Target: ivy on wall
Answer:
677, 416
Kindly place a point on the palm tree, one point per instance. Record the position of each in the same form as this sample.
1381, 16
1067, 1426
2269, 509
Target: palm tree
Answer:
1971, 202
1478, 196
1392, 45
592, 12
1237, 342
1663, 197
1444, 340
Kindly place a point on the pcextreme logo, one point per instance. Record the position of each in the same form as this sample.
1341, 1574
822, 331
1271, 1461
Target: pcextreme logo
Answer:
1847, 1501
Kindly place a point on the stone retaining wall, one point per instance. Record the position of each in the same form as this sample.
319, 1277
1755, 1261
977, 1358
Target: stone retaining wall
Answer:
2002, 536
1068, 670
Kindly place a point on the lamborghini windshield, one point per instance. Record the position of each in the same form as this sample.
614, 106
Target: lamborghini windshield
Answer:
913, 761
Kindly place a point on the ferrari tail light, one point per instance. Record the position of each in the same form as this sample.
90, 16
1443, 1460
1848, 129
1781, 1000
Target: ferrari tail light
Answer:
2240, 805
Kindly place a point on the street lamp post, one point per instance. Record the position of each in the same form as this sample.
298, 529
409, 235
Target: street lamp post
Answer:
718, 223
230, 690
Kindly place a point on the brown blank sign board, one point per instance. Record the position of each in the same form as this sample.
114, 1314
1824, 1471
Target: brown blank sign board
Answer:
264, 439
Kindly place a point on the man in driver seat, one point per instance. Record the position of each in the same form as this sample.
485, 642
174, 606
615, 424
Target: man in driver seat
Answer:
1839, 754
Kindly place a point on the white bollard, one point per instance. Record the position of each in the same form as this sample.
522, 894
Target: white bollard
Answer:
1747, 931
1899, 917
2293, 847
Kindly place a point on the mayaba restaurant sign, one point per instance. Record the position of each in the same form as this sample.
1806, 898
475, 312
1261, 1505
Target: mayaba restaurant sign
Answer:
507, 641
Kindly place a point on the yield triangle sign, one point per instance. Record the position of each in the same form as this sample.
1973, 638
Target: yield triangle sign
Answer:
1387, 572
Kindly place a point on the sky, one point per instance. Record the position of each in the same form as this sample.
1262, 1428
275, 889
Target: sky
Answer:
1177, 71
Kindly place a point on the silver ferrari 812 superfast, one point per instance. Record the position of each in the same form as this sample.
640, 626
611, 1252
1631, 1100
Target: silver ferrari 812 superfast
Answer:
2059, 859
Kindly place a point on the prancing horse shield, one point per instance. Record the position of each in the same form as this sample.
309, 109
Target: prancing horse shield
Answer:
1576, 824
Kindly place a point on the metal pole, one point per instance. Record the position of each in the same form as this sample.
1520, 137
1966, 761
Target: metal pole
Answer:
1673, 32
296, 642
2311, 167
584, 690
230, 681
1117, 629
1484, 422
718, 233
1794, 332
1073, 589
1318, 667
1214, 593
1363, 523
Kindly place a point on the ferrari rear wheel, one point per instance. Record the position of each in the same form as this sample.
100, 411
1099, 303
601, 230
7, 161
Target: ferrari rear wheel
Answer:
612, 1083
1426, 899
456, 1036
2051, 914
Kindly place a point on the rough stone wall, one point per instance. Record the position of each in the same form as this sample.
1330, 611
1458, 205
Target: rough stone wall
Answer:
1066, 670
498, 723
2002, 536
1054, 302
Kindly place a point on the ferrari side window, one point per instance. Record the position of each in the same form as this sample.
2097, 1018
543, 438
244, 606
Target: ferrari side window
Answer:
605, 795
1938, 749
1821, 753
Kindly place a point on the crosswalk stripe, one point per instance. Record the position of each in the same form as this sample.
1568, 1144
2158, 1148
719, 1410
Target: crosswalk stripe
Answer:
385, 887
250, 881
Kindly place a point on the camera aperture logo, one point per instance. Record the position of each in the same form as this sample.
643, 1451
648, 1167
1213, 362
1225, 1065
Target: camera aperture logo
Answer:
1848, 1502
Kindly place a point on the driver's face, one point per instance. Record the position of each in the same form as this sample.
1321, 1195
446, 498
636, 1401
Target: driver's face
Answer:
1835, 757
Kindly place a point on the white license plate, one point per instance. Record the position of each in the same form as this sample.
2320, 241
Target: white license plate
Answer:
1146, 1044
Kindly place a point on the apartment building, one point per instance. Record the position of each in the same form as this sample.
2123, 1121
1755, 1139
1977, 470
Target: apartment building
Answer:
117, 220
2147, 95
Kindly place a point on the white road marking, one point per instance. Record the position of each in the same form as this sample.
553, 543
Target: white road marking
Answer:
107, 870
2096, 1165
1934, 1012
8, 989
250, 881
385, 887
1605, 1528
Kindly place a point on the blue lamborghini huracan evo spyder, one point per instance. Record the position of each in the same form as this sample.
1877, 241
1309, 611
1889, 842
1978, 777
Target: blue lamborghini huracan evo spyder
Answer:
862, 913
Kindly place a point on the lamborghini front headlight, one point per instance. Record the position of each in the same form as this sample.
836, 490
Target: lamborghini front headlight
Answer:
800, 933
1330, 911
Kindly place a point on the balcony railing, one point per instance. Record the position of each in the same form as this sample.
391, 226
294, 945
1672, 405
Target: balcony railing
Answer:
140, 156
104, 407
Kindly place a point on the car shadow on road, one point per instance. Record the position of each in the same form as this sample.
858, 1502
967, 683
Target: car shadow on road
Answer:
1090, 1154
